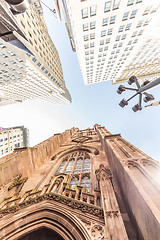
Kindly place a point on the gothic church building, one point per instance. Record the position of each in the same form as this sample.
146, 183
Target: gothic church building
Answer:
80, 185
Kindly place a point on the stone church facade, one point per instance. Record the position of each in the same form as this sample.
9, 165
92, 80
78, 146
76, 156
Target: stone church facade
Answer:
80, 185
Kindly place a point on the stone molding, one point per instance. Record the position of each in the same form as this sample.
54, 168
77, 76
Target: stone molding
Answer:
103, 173
75, 204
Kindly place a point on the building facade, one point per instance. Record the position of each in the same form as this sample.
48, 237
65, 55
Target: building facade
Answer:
81, 184
113, 38
11, 138
30, 64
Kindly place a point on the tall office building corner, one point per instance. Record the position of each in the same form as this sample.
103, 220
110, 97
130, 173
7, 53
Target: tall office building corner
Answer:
114, 40
13, 138
31, 67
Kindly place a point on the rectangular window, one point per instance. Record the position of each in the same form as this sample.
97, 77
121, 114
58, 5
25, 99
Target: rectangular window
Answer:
140, 32
34, 59
139, 23
108, 40
134, 34
86, 46
39, 64
110, 31
125, 16
121, 28
105, 21
128, 26
84, 12
107, 6
130, 2
92, 44
92, 52
116, 4
112, 19
136, 40
46, 72
115, 45
92, 25
2, 46
138, 1
103, 33
92, 11
42, 68
146, 11
102, 42
146, 22
86, 52
100, 49
92, 36
86, 37
130, 42
133, 14
85, 26
124, 36
118, 38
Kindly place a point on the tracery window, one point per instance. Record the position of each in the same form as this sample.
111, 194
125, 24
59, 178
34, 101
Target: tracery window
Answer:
77, 165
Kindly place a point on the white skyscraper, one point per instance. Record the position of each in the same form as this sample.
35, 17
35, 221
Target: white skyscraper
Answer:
113, 38
11, 138
30, 67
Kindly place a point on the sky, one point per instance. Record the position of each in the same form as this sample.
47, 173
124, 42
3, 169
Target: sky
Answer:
96, 103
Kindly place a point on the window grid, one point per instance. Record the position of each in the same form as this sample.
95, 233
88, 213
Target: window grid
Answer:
78, 166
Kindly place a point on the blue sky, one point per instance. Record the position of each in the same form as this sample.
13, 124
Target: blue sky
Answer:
97, 103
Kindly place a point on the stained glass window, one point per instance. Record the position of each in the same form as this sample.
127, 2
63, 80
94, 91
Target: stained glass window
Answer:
69, 166
61, 167
75, 164
78, 166
74, 182
86, 183
86, 165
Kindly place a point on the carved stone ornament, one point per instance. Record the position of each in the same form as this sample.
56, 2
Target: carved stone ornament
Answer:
97, 232
33, 199
103, 173
81, 139
18, 183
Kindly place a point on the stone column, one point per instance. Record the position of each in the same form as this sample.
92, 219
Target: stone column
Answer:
114, 226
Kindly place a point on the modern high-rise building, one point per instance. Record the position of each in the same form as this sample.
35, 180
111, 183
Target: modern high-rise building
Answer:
11, 138
114, 38
80, 185
30, 64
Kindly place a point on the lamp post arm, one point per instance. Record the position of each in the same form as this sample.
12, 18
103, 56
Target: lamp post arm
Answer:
149, 85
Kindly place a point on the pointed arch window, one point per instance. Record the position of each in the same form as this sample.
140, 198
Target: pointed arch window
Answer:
77, 165
61, 167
